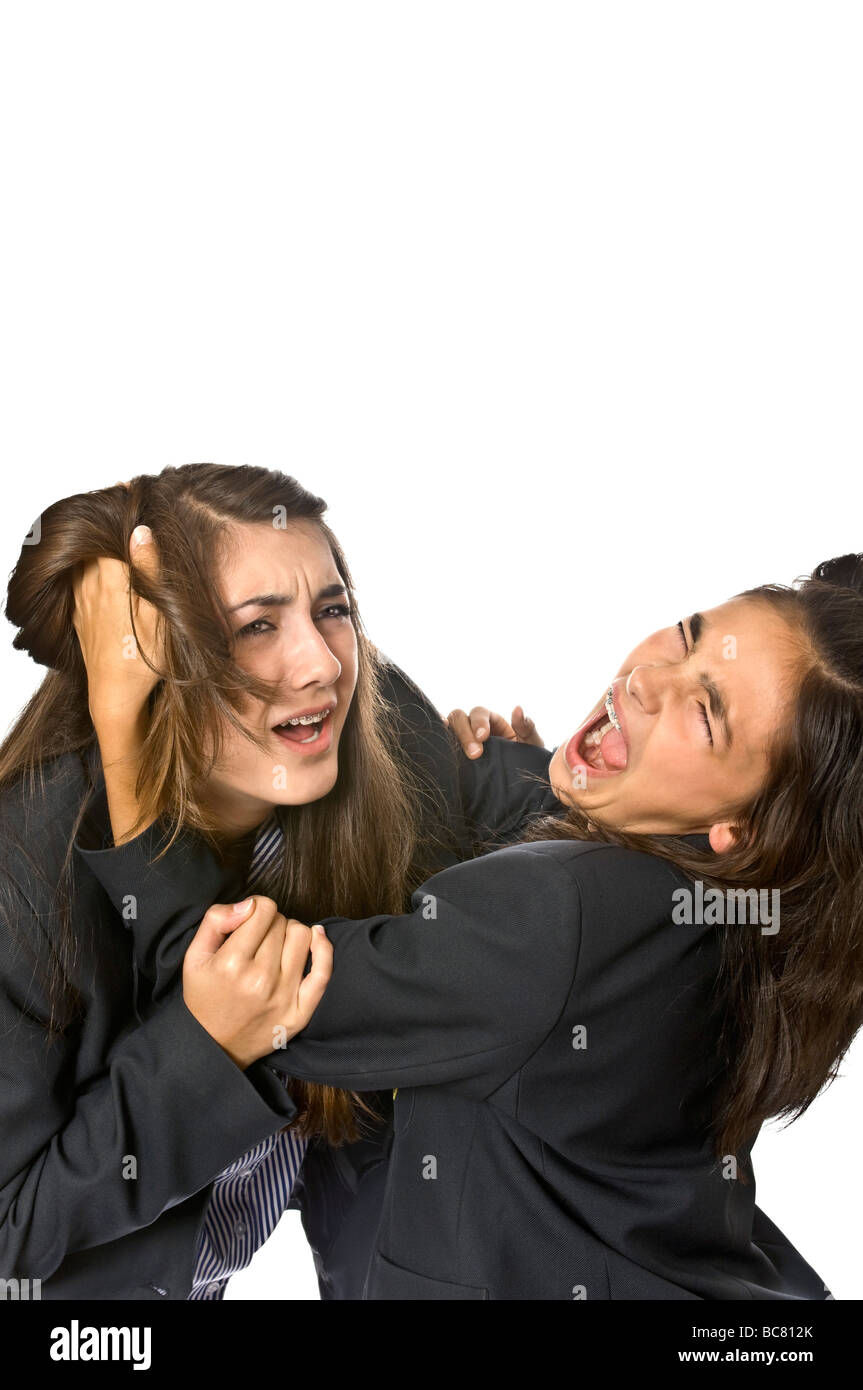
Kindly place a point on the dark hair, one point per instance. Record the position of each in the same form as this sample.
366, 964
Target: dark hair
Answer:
353, 853
789, 1004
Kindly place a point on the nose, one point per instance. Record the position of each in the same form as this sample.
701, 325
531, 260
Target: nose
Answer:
306, 660
644, 684
654, 682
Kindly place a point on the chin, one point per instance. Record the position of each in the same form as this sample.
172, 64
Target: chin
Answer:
307, 786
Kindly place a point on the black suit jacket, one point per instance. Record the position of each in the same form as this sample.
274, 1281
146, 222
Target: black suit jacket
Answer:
548, 1029
113, 1132
521, 1166
469, 807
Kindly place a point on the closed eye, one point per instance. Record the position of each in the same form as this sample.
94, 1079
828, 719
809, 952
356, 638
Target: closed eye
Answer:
705, 721
702, 708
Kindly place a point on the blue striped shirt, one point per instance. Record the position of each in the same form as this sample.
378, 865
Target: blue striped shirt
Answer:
247, 1200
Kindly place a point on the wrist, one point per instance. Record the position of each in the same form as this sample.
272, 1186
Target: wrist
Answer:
240, 1059
120, 725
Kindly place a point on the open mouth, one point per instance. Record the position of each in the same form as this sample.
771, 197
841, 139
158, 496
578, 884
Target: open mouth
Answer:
599, 745
306, 729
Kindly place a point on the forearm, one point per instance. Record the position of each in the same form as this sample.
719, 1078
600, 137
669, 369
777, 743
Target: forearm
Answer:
171, 887
121, 743
122, 670
459, 992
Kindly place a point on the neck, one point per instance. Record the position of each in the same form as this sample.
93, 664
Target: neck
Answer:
236, 815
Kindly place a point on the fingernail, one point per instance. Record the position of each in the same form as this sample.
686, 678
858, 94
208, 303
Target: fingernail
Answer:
473, 749
482, 731
241, 907
141, 535
319, 929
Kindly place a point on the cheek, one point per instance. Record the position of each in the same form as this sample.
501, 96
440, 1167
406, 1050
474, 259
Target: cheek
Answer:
344, 649
250, 657
673, 759
236, 752
682, 775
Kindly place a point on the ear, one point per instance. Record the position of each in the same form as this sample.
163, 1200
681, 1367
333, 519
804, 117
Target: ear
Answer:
722, 836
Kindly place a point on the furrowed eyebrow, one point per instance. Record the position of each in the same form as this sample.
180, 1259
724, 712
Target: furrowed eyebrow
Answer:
280, 600
698, 625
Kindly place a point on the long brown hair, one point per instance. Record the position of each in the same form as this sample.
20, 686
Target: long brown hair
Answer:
355, 852
789, 1004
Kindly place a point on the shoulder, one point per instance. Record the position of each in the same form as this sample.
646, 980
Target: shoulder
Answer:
398, 689
426, 743
629, 906
39, 812
55, 787
38, 815
612, 874
593, 860
509, 888
570, 870
620, 894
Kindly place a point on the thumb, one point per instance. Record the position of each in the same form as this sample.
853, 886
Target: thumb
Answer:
314, 985
216, 926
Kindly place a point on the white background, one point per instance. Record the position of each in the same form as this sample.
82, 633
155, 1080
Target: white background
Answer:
558, 305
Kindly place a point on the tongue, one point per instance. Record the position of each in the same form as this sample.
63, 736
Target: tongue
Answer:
613, 748
297, 732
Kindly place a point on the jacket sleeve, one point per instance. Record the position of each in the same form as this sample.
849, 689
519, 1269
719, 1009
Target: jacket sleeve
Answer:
161, 898
484, 800
503, 789
461, 991
79, 1167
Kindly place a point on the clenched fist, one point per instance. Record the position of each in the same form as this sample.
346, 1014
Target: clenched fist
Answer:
243, 976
